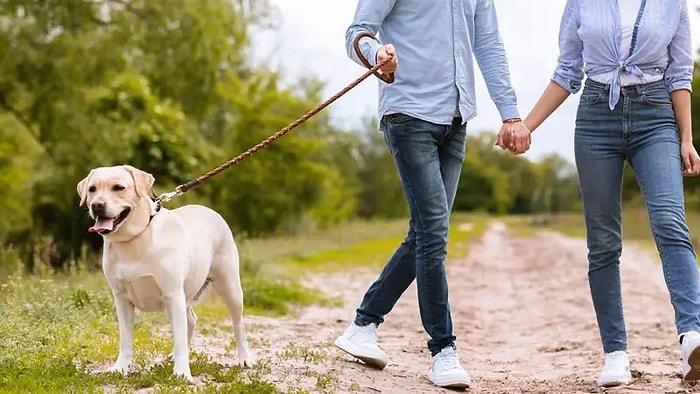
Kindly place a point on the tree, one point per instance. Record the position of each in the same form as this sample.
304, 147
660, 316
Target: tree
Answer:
163, 85
482, 188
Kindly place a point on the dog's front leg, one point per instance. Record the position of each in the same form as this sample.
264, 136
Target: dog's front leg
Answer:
125, 318
177, 311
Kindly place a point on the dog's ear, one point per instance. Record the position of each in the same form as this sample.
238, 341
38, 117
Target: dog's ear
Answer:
142, 180
82, 188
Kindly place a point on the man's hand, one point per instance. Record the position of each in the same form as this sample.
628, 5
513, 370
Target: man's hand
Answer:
385, 52
515, 137
691, 160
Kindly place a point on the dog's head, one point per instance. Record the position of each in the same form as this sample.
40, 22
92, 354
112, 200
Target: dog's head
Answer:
117, 198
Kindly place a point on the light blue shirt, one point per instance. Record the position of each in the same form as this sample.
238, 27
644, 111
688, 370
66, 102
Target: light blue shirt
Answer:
589, 43
436, 42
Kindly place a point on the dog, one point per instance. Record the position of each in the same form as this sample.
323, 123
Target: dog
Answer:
161, 260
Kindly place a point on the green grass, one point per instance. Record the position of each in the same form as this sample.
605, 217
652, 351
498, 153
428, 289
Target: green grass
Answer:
382, 242
635, 225
57, 329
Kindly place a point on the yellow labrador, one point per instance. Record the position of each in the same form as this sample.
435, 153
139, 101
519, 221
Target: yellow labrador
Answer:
161, 260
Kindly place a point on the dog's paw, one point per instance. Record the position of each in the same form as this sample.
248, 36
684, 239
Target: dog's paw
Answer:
185, 375
248, 360
119, 367
184, 372
188, 378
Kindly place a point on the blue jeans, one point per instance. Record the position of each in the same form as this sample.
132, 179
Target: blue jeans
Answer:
642, 130
429, 160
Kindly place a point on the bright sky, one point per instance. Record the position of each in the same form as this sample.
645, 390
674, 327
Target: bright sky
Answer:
309, 40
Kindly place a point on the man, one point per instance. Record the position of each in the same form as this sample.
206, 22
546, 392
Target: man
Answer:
423, 117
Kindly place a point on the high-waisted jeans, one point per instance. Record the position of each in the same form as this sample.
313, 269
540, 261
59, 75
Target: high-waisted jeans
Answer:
642, 130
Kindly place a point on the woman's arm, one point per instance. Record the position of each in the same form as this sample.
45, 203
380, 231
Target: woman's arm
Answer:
681, 108
569, 72
679, 74
551, 99
678, 77
567, 75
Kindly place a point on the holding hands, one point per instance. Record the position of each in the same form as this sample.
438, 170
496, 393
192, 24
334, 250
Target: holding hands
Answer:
515, 137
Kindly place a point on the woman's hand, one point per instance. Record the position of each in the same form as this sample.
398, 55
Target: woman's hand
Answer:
691, 160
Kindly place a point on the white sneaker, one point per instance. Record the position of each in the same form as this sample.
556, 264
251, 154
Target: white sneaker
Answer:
690, 354
616, 370
447, 371
361, 342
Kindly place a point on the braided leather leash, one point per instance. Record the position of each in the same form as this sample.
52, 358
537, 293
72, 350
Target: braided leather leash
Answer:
373, 70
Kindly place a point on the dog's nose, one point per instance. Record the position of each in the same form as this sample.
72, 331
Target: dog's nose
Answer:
98, 206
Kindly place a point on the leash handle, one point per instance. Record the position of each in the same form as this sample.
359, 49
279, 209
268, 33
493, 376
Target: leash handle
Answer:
389, 77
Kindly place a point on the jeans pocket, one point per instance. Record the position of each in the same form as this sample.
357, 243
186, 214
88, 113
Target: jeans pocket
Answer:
591, 98
657, 97
398, 118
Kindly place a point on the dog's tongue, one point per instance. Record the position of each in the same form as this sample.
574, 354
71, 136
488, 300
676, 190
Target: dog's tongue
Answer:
101, 225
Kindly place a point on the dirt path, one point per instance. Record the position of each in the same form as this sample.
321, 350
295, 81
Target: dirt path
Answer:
523, 319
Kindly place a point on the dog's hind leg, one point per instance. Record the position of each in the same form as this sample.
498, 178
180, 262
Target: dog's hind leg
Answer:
227, 284
232, 295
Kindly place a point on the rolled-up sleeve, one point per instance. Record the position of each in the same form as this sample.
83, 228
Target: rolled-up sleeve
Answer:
569, 70
369, 16
679, 73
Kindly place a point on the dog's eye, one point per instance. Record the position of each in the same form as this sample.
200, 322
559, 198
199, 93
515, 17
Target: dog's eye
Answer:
118, 188
92, 189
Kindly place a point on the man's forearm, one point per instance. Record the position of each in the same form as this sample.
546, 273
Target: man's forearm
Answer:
490, 55
368, 47
369, 16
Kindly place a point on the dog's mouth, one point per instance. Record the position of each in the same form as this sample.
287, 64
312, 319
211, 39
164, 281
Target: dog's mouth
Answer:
105, 225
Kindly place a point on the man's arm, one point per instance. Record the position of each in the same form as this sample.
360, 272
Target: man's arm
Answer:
490, 54
369, 16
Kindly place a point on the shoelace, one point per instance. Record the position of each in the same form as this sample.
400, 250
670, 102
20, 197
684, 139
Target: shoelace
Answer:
367, 334
448, 359
613, 358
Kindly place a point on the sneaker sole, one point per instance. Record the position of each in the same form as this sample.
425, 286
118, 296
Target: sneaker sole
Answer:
457, 384
373, 362
615, 383
694, 362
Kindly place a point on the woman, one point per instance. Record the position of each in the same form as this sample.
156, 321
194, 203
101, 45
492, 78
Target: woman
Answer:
635, 106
